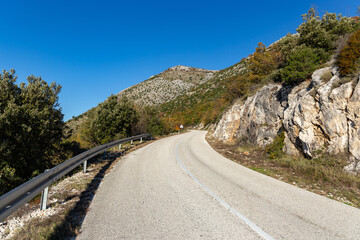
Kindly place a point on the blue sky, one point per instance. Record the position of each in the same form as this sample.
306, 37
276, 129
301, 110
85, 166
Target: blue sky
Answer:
96, 48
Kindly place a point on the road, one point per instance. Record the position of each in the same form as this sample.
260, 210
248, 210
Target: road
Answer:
180, 188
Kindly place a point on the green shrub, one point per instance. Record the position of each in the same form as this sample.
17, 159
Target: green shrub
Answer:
312, 33
349, 56
275, 149
287, 44
301, 63
322, 32
113, 119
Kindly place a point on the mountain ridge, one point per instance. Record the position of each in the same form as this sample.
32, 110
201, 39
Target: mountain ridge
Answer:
167, 85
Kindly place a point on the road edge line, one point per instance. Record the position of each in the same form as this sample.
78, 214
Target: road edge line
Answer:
252, 225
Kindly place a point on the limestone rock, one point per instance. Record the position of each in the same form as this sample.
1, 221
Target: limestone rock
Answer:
320, 114
258, 120
229, 123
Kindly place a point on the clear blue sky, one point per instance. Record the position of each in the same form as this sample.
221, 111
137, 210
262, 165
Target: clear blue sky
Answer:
96, 48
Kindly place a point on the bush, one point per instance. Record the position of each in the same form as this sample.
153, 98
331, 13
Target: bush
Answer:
302, 62
112, 119
275, 149
322, 33
312, 33
150, 121
287, 44
264, 60
349, 56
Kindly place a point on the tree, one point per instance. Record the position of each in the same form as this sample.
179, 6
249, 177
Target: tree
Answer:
312, 33
150, 121
264, 61
348, 60
113, 119
31, 126
322, 32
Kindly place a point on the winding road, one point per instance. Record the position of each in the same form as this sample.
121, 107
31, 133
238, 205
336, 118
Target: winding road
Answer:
180, 188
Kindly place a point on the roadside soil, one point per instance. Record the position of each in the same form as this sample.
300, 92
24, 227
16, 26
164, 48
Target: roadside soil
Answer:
258, 160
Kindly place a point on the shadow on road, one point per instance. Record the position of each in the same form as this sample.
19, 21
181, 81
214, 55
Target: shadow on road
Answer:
75, 217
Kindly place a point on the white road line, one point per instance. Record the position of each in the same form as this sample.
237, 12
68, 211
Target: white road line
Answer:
252, 225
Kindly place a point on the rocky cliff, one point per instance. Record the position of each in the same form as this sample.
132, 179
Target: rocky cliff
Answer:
321, 114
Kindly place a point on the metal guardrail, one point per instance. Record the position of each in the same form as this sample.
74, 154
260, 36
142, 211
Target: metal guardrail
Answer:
17, 197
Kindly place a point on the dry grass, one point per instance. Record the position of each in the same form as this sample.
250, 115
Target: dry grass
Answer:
323, 174
327, 75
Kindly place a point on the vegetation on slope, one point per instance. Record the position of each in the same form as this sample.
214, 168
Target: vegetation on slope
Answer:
113, 119
289, 61
349, 57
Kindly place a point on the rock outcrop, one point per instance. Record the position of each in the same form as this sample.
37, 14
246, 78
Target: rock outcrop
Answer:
257, 120
321, 114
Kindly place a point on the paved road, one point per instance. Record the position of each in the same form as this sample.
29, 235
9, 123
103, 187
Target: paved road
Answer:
180, 188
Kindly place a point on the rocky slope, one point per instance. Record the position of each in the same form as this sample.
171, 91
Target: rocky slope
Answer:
167, 85
321, 114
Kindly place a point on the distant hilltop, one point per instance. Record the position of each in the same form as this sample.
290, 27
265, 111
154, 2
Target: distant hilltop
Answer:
186, 68
167, 85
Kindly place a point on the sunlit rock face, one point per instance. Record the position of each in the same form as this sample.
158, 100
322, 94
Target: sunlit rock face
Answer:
256, 120
321, 114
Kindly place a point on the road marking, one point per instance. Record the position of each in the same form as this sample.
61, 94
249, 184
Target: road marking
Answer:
252, 225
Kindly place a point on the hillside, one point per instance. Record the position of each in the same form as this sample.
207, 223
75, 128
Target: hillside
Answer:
198, 97
167, 85
289, 110
205, 102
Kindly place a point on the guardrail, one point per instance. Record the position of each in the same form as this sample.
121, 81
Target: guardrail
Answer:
11, 201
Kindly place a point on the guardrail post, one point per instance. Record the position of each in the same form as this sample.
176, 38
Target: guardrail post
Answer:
14, 199
131, 142
44, 197
119, 147
141, 140
84, 166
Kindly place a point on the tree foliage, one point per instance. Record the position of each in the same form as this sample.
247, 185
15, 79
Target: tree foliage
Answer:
113, 119
263, 61
150, 121
31, 128
301, 63
316, 32
349, 57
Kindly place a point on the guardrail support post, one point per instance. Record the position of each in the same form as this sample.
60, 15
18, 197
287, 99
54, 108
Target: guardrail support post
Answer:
131, 142
84, 166
44, 197
140, 140
14, 199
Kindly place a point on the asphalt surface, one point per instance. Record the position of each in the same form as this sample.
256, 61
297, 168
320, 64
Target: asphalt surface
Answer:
180, 188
